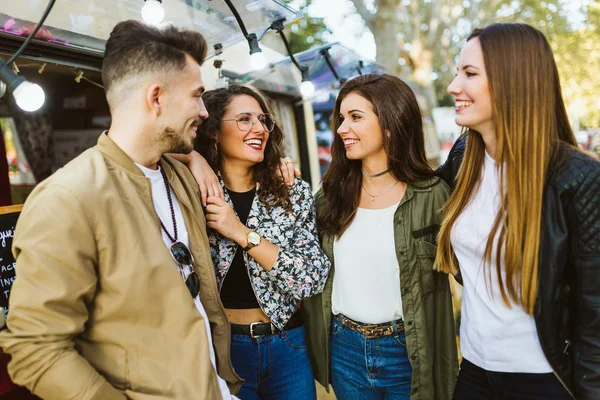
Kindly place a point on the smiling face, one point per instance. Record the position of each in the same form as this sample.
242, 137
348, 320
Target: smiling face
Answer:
182, 110
359, 128
471, 91
242, 146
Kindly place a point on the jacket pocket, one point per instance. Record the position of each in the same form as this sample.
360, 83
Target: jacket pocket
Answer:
426, 252
110, 361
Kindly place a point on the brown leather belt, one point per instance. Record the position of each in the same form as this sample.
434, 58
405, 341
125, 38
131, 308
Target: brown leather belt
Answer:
371, 331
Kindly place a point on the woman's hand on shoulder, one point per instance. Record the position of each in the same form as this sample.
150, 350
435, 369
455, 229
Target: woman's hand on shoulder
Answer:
287, 171
207, 180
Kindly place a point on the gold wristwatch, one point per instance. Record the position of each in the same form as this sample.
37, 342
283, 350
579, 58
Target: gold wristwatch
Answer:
253, 240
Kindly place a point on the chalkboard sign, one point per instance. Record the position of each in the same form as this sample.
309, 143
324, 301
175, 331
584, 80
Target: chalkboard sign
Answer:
8, 220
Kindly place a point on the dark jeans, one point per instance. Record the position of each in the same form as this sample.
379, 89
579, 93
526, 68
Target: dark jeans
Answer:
475, 383
274, 367
369, 369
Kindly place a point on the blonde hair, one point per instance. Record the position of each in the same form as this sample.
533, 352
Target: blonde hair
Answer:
530, 122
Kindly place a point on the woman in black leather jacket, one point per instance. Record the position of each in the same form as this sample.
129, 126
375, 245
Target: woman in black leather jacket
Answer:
522, 226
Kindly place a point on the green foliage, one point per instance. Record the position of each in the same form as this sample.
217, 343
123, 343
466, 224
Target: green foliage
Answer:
578, 58
427, 36
307, 32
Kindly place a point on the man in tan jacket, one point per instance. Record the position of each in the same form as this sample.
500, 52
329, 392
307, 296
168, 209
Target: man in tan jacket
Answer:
108, 302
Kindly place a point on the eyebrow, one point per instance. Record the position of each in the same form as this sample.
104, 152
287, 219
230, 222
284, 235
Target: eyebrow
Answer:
355, 110
468, 66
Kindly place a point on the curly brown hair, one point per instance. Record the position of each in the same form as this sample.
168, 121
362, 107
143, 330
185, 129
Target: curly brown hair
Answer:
272, 190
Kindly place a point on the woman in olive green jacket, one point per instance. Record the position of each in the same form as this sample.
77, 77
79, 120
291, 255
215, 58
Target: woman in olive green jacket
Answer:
383, 326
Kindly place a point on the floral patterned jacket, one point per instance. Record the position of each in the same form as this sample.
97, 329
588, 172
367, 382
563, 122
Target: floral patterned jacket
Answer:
301, 268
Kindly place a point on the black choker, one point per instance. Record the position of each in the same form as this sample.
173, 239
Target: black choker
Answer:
371, 178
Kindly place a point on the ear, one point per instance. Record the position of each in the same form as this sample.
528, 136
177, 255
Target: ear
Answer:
153, 98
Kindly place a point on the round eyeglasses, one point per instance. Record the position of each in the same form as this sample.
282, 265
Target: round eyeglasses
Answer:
246, 121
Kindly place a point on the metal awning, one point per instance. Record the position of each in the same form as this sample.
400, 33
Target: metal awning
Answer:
85, 25
347, 64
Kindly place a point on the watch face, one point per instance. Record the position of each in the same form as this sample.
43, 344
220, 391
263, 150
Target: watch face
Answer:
254, 238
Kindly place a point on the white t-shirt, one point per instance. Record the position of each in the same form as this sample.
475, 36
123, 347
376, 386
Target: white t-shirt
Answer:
492, 336
366, 283
161, 205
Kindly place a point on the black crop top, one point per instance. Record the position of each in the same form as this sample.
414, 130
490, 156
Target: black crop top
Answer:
236, 291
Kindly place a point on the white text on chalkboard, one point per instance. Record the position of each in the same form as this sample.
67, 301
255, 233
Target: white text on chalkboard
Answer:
9, 234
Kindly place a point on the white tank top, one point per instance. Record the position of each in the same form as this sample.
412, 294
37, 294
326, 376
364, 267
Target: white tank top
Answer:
366, 282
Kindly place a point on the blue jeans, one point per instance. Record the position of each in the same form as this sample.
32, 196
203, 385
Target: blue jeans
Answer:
369, 369
274, 367
475, 383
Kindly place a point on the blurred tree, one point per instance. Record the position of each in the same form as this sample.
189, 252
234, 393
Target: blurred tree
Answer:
578, 58
419, 39
307, 32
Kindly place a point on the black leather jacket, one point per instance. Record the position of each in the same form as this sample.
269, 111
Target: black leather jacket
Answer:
567, 311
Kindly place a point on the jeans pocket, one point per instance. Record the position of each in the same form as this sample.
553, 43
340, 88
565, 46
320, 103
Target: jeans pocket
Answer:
401, 339
336, 327
295, 338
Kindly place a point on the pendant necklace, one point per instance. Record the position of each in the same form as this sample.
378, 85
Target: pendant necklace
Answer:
380, 194
371, 178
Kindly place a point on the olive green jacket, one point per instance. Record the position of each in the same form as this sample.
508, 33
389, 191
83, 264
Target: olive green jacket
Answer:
426, 300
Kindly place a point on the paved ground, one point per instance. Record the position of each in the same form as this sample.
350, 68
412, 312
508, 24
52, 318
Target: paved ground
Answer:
323, 395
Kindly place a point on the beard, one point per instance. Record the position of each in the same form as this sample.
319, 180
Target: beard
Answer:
175, 143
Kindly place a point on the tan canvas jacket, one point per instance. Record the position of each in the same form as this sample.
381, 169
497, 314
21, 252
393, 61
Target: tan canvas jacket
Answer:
98, 309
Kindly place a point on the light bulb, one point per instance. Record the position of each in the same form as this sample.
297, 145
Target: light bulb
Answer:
29, 96
258, 61
307, 88
153, 12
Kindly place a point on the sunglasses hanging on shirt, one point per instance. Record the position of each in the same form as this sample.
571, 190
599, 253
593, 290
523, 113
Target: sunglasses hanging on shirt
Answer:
179, 251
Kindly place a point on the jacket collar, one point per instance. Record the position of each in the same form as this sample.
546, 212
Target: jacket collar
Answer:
110, 149
418, 186
424, 185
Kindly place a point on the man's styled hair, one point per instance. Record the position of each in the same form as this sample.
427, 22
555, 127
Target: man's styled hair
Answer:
135, 49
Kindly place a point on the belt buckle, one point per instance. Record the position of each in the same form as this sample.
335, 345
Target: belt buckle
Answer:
253, 336
252, 330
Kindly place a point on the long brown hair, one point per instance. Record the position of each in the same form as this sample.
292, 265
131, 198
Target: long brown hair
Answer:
530, 122
396, 107
272, 191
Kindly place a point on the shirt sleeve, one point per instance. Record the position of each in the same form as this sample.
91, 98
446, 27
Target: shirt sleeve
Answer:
55, 254
302, 267
586, 228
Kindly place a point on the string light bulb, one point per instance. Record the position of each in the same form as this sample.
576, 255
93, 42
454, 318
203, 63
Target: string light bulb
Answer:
28, 96
307, 88
153, 12
258, 60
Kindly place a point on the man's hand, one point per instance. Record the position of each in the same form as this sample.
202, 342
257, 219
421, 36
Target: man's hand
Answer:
220, 217
287, 171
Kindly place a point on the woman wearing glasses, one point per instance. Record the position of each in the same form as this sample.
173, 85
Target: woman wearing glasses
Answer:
264, 245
